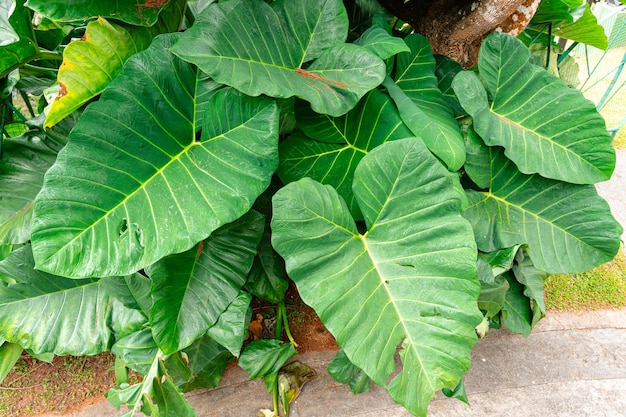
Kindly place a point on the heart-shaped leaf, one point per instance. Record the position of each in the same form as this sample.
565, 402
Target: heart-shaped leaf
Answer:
422, 105
190, 290
331, 147
140, 165
136, 12
90, 63
410, 281
545, 126
306, 58
568, 227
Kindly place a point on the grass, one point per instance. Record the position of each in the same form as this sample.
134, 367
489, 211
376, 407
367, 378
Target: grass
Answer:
600, 288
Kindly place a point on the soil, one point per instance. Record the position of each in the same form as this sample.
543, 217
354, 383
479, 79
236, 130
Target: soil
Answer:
69, 383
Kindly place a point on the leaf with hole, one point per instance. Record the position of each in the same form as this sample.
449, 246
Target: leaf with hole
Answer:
104, 210
411, 279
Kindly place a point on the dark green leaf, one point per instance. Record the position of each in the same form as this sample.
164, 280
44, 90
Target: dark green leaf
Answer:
267, 279
331, 148
346, 372
192, 289
25, 49
265, 357
207, 361
492, 296
137, 350
445, 70
517, 312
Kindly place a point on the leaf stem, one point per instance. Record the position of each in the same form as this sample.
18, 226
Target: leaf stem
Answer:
282, 310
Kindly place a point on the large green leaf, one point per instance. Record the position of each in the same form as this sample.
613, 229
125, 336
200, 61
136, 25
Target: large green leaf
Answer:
410, 281
190, 290
545, 126
288, 48
90, 63
567, 227
23, 163
330, 148
422, 105
47, 313
136, 12
135, 184
25, 49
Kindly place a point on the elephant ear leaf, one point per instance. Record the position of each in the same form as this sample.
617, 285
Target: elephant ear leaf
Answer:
568, 227
104, 210
410, 281
307, 58
544, 126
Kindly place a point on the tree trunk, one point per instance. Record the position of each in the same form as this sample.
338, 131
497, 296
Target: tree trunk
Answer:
457, 28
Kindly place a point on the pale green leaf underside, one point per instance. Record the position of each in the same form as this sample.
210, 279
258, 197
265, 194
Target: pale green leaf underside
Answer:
134, 184
422, 105
237, 43
410, 280
331, 147
92, 62
192, 289
545, 126
568, 228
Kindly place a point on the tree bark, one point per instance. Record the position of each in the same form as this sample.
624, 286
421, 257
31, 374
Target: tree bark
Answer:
457, 28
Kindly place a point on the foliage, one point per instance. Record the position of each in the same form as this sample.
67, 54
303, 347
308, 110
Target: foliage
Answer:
147, 198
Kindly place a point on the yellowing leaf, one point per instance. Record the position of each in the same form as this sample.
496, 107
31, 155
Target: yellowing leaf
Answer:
91, 63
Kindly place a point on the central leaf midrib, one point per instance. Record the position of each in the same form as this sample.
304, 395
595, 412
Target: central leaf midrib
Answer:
544, 138
406, 332
537, 216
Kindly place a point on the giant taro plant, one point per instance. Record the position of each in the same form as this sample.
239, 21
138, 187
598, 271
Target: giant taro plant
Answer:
176, 174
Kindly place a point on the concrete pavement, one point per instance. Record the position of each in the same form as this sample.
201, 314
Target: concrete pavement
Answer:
572, 365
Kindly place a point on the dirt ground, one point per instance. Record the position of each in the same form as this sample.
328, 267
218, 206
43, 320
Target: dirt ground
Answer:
70, 383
